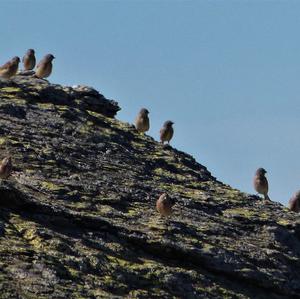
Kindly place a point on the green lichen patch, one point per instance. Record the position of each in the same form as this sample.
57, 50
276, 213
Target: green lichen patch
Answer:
52, 187
10, 90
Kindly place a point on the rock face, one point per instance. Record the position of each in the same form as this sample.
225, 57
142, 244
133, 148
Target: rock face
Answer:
78, 219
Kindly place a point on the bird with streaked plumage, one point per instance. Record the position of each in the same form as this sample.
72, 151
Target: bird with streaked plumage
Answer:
44, 67
5, 167
142, 123
294, 202
260, 183
10, 68
166, 132
29, 60
164, 204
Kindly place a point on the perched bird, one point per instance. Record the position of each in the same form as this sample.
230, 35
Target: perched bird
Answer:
260, 183
5, 168
164, 205
142, 123
10, 68
44, 67
166, 132
29, 60
294, 203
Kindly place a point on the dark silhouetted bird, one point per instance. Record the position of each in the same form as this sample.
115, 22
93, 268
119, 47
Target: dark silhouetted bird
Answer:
29, 60
142, 123
260, 183
166, 132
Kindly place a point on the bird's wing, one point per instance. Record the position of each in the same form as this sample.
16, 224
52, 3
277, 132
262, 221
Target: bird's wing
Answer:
40, 63
266, 182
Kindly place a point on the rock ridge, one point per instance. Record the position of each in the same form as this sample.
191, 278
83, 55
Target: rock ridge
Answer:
78, 219
38, 90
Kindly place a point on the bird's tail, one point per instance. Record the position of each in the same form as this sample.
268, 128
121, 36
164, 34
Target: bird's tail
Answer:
267, 197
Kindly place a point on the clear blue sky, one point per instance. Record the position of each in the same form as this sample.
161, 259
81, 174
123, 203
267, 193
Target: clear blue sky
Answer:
226, 72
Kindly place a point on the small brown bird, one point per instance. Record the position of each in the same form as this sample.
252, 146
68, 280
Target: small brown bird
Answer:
294, 203
166, 132
29, 60
142, 123
5, 168
260, 183
44, 67
164, 205
10, 68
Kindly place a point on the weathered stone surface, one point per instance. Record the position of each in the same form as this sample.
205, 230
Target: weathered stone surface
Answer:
77, 218
38, 90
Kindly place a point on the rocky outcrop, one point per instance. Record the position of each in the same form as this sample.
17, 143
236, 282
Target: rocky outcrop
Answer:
77, 97
78, 219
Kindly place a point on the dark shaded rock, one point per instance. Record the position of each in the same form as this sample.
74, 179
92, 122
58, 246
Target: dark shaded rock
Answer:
13, 111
